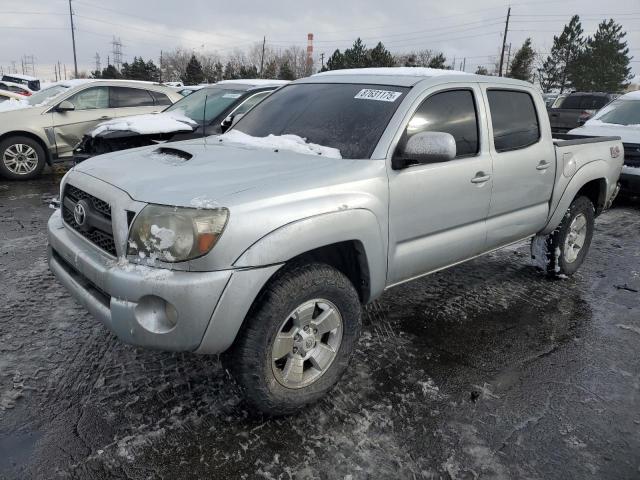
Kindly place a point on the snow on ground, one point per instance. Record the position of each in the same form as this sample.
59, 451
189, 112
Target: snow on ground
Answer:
393, 71
164, 122
291, 143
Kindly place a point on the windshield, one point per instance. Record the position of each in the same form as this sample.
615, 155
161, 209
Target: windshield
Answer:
44, 95
348, 117
622, 112
218, 99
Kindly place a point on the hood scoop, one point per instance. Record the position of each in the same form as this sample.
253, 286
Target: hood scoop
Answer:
173, 152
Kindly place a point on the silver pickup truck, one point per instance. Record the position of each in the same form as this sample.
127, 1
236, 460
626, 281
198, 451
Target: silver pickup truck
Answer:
263, 243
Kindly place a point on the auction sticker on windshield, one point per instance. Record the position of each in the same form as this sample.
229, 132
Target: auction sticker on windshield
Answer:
379, 95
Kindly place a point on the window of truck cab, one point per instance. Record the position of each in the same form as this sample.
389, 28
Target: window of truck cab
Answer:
514, 119
453, 111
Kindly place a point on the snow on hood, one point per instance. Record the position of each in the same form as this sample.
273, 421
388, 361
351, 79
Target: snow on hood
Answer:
292, 143
628, 133
214, 172
13, 104
163, 122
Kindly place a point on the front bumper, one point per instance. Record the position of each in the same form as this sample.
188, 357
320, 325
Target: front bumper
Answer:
154, 307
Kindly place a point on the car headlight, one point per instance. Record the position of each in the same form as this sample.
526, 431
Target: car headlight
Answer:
174, 234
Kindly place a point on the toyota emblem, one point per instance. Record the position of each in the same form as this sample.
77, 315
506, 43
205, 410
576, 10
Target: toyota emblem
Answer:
79, 214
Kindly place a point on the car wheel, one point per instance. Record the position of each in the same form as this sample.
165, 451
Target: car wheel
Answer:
565, 249
21, 158
297, 339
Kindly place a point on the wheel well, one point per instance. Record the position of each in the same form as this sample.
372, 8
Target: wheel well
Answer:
32, 136
349, 258
596, 191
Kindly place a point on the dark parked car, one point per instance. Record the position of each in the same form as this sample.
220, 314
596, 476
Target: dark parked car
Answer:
31, 83
207, 111
576, 108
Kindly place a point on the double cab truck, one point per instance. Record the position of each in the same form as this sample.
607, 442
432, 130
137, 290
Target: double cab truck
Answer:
263, 244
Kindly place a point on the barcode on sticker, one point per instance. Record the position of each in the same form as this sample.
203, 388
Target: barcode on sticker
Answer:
232, 95
379, 95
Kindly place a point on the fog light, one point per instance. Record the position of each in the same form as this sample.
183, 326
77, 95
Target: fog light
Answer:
156, 315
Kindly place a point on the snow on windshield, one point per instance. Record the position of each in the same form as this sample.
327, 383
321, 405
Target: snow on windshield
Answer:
292, 143
165, 122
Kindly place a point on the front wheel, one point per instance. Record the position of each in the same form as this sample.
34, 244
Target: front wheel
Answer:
21, 158
297, 340
563, 251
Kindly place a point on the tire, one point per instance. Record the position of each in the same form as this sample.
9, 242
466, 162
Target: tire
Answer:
297, 295
21, 158
565, 249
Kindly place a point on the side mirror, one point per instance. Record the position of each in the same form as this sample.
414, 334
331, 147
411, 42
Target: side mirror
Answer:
65, 106
426, 147
230, 121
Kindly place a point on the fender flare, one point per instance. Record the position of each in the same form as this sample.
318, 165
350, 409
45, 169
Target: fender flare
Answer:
304, 235
587, 173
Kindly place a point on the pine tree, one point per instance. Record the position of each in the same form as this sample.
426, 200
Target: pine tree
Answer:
248, 71
438, 61
193, 74
356, 56
110, 72
522, 64
559, 69
230, 72
379, 56
604, 64
336, 61
270, 70
481, 70
285, 72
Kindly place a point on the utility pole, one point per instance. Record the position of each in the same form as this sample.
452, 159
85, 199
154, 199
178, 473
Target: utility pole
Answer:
464, 63
504, 40
264, 40
506, 70
160, 79
73, 40
65, 71
322, 59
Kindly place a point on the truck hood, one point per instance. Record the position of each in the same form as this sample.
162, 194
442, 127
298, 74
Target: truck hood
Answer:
203, 172
628, 133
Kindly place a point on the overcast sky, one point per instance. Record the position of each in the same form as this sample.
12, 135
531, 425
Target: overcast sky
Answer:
460, 28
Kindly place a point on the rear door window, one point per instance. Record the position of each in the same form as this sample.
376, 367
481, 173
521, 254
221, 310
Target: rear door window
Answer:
160, 98
130, 97
514, 119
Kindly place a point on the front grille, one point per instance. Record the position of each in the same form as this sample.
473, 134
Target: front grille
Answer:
98, 230
631, 154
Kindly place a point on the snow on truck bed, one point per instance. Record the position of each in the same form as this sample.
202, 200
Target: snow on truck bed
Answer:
164, 122
292, 143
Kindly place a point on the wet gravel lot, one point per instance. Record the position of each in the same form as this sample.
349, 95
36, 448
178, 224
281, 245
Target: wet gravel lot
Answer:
487, 370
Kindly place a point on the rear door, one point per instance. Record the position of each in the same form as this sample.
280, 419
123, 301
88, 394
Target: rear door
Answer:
127, 101
437, 211
524, 164
91, 107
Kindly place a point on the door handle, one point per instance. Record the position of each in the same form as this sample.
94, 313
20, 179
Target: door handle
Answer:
480, 178
105, 117
554, 114
542, 165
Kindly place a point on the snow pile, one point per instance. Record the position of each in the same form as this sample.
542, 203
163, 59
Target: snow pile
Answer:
394, 71
203, 202
292, 143
13, 104
164, 237
165, 122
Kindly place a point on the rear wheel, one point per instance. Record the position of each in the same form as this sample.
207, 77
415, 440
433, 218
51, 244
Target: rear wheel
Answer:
297, 340
21, 158
565, 249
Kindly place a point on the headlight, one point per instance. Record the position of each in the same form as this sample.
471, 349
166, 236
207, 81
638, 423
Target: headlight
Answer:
174, 234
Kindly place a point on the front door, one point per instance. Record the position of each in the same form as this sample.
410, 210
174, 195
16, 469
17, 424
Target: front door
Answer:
437, 211
91, 107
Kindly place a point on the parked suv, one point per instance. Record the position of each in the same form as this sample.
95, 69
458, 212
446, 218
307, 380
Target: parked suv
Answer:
575, 109
264, 242
31, 82
58, 117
